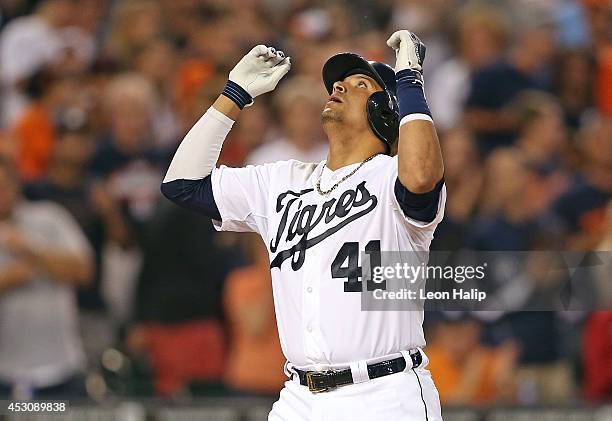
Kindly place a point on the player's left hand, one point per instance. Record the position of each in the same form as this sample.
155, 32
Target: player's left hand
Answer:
409, 50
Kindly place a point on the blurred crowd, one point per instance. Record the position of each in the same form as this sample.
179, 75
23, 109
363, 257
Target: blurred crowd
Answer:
106, 289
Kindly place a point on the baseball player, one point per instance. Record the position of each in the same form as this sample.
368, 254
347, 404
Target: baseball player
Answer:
317, 218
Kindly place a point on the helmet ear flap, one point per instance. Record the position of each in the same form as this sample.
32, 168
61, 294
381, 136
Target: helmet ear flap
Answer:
383, 117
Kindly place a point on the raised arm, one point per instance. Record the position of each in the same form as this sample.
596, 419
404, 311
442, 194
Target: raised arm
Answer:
187, 182
420, 167
258, 72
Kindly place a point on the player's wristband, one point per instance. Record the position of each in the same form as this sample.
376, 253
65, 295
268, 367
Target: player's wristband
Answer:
237, 94
411, 96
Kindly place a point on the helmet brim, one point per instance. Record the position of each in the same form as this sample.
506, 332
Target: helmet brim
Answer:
342, 65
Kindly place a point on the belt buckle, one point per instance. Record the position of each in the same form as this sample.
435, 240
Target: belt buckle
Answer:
314, 385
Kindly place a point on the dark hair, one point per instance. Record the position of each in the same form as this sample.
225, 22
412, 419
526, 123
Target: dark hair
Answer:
36, 85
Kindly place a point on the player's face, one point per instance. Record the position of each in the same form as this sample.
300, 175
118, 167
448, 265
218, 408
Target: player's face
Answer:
347, 103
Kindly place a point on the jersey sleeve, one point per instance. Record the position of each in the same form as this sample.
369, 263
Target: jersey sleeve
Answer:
420, 231
241, 195
196, 195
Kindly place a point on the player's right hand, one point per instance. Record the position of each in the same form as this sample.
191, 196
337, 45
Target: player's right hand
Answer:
260, 70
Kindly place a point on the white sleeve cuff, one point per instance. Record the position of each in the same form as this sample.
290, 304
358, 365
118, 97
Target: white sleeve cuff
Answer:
413, 117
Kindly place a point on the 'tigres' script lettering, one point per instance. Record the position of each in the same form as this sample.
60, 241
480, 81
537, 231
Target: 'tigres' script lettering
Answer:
334, 212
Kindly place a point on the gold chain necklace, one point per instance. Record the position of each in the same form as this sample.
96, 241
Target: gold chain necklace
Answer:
327, 192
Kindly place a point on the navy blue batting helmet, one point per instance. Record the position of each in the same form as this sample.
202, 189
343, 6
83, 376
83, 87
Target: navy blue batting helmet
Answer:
382, 107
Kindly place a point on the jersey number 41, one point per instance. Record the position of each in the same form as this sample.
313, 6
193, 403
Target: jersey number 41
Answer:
349, 253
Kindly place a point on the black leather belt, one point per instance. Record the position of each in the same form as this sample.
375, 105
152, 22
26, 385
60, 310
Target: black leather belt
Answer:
322, 381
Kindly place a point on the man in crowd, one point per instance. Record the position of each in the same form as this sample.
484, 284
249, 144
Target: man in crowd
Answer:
44, 256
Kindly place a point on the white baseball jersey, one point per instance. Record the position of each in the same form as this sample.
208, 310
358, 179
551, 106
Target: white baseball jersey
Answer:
313, 241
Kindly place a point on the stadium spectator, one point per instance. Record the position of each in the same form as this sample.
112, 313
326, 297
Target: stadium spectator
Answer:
252, 327
300, 136
181, 19
53, 98
423, 17
215, 40
542, 134
253, 130
581, 210
127, 157
132, 26
536, 298
463, 174
45, 257
194, 85
317, 52
598, 16
574, 86
129, 165
197, 86
178, 314
465, 371
508, 222
543, 142
34, 132
448, 88
506, 218
67, 183
156, 61
494, 87
29, 43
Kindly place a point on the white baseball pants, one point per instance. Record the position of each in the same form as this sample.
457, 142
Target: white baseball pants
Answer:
407, 396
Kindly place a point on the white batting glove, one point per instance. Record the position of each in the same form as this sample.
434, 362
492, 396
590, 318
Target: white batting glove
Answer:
260, 70
409, 51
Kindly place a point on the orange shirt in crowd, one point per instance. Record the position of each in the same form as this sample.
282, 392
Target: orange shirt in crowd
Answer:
471, 382
255, 361
35, 137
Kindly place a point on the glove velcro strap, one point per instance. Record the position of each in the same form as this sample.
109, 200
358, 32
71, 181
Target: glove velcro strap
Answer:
410, 76
410, 94
237, 94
